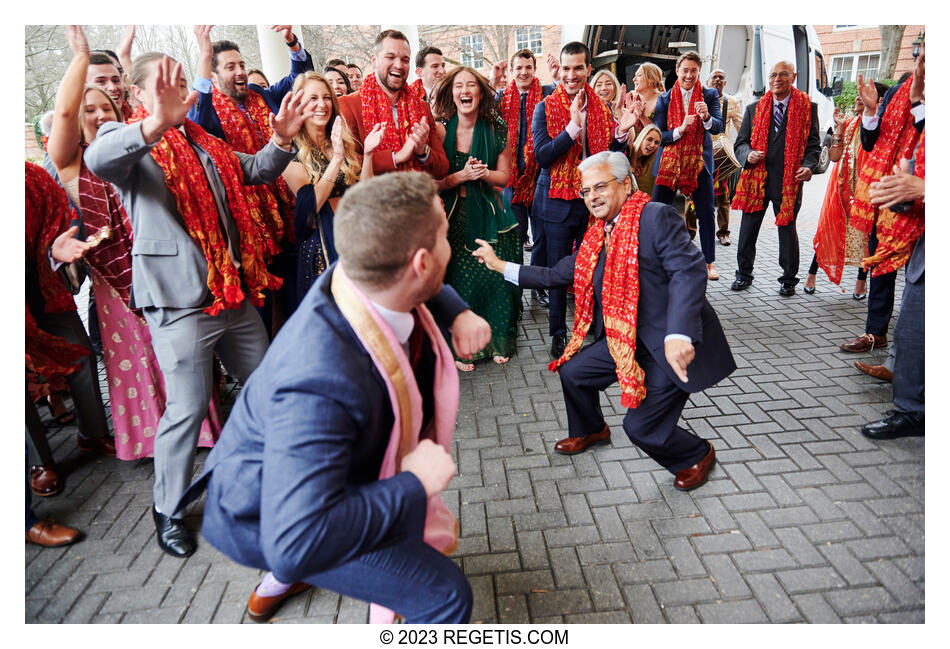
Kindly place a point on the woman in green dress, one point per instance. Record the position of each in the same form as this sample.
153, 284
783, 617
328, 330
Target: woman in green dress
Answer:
476, 144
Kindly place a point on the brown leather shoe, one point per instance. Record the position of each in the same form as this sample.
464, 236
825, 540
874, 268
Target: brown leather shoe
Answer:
695, 475
575, 445
45, 481
261, 609
865, 343
98, 445
51, 535
877, 371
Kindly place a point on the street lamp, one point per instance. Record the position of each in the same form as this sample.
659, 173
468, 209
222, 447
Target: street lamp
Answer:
917, 43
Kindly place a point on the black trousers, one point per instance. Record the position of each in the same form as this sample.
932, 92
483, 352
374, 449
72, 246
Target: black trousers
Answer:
788, 254
652, 427
813, 269
880, 295
704, 201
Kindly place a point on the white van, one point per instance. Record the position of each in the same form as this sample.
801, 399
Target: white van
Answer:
745, 52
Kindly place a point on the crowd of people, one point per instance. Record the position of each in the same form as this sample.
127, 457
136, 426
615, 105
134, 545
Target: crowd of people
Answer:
343, 245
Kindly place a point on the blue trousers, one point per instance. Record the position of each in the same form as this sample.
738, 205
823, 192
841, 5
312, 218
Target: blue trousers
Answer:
881, 292
652, 426
522, 214
411, 578
558, 242
704, 201
908, 346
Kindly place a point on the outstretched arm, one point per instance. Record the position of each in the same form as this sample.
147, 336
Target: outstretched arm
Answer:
63, 146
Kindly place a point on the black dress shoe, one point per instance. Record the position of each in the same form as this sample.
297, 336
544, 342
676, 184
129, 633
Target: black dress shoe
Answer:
741, 284
540, 296
558, 343
173, 536
787, 289
898, 424
810, 290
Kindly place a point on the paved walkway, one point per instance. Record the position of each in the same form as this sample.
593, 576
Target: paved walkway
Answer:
802, 520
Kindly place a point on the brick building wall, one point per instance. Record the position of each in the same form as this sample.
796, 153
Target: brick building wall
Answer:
33, 150
839, 41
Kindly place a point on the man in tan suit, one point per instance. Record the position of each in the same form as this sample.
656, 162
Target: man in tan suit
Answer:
725, 166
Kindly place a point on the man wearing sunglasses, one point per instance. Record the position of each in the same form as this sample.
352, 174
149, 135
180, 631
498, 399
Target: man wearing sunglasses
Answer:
639, 291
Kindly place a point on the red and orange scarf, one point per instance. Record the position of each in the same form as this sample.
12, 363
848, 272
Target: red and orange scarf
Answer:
898, 232
378, 109
249, 133
418, 89
682, 160
47, 216
565, 176
750, 190
522, 183
186, 180
621, 295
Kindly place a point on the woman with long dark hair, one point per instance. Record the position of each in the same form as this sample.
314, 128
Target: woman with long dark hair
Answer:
476, 143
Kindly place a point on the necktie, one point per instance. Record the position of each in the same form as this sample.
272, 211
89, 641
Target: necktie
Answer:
522, 130
777, 115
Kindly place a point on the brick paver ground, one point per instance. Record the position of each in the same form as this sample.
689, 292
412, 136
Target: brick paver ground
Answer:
802, 520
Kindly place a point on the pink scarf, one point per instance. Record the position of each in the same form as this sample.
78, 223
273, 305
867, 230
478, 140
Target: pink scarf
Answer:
441, 528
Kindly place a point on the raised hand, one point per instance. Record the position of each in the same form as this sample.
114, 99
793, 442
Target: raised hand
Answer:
77, 40
284, 30
554, 67
67, 249
702, 110
124, 49
294, 111
917, 85
336, 137
373, 138
868, 94
169, 108
576, 108
632, 110
841, 120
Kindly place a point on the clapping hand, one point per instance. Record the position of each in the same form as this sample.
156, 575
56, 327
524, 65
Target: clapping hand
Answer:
294, 111
899, 187
868, 94
554, 67
336, 137
77, 40
498, 72
576, 107
473, 170
420, 136
373, 138
840, 120
702, 110
632, 110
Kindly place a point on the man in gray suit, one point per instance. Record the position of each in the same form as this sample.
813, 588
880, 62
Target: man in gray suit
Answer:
170, 271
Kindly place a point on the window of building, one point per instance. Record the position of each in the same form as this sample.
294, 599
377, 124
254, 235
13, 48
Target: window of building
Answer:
848, 67
471, 50
528, 38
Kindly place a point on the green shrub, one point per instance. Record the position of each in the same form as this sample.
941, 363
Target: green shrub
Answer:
849, 91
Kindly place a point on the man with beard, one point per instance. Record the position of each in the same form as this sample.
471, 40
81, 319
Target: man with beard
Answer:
410, 140
640, 294
331, 465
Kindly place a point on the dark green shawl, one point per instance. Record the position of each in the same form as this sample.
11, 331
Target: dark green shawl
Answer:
486, 213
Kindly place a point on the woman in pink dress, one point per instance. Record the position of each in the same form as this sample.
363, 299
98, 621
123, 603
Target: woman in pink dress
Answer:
136, 385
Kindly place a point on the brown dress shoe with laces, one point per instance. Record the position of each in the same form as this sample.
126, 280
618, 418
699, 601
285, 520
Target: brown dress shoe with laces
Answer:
261, 609
45, 481
877, 371
575, 445
51, 535
692, 477
99, 445
865, 343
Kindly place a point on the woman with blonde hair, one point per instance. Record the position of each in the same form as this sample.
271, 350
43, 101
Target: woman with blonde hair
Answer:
136, 383
642, 154
605, 85
325, 166
647, 86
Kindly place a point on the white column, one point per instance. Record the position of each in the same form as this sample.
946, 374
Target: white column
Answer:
412, 33
275, 55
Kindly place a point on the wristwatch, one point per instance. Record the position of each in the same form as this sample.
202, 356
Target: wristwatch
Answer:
294, 42
425, 154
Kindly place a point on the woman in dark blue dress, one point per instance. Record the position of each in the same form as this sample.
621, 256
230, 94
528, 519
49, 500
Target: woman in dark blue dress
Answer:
326, 165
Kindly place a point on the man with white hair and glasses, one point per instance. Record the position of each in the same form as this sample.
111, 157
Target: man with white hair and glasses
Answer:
639, 292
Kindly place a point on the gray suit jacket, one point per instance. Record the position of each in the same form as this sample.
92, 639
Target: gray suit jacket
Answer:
168, 267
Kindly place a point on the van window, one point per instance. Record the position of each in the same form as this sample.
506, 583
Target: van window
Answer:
802, 60
820, 72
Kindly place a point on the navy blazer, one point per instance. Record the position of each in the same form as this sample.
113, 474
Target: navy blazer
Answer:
711, 97
547, 151
204, 114
869, 138
293, 481
672, 297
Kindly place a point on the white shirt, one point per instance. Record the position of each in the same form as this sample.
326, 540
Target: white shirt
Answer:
401, 322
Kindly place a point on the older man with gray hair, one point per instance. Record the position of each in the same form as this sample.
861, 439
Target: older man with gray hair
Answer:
639, 292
